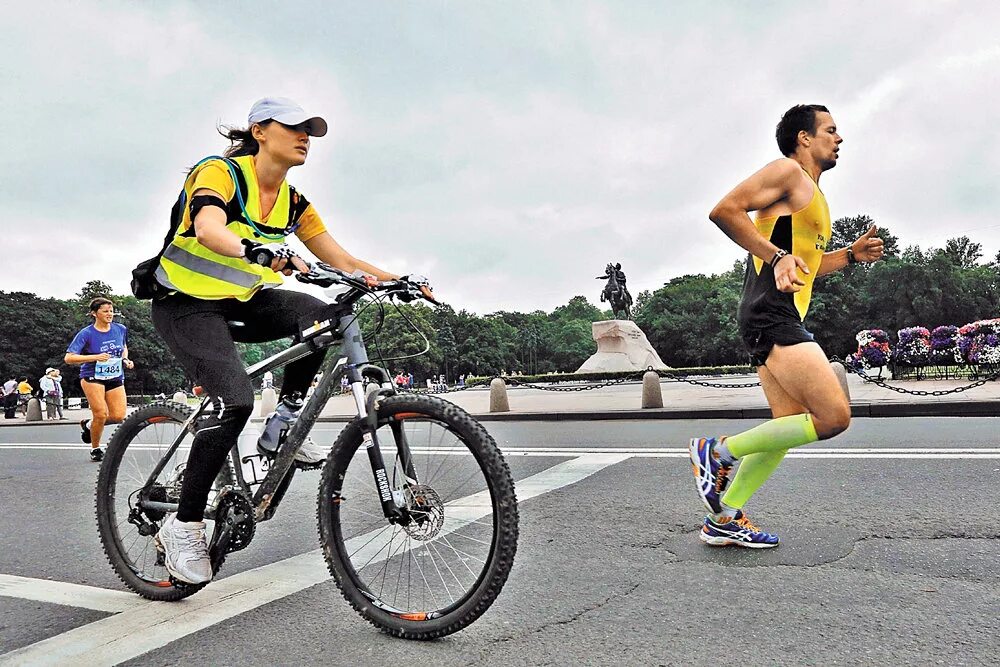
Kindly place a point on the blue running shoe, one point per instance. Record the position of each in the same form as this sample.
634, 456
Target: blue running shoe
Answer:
710, 474
738, 530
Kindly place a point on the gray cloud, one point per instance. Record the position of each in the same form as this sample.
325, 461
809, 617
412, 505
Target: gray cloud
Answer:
508, 152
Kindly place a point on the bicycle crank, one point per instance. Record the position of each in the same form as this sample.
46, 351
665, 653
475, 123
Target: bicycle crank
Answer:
234, 525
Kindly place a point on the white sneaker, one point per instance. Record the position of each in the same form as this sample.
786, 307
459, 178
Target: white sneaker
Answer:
186, 550
310, 453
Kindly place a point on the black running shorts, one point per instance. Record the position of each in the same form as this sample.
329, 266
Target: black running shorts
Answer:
759, 341
108, 384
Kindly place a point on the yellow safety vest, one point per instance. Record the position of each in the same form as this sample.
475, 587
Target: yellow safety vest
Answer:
189, 267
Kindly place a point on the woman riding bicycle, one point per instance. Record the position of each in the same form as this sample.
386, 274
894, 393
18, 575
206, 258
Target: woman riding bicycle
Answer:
222, 266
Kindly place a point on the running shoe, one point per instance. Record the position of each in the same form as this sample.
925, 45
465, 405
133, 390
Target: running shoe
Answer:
738, 530
185, 550
85, 431
310, 455
710, 474
96, 454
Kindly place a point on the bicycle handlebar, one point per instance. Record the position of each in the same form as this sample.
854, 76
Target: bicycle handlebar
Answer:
324, 275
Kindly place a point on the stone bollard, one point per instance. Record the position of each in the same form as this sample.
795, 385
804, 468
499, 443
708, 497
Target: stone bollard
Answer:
841, 373
268, 401
180, 397
370, 389
33, 413
652, 394
498, 396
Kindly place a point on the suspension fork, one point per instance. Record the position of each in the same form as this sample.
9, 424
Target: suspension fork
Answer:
369, 438
357, 355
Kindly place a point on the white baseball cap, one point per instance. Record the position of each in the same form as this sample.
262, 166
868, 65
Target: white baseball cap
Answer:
286, 112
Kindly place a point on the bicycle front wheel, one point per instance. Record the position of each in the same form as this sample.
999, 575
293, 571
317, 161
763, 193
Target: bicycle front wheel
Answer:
442, 567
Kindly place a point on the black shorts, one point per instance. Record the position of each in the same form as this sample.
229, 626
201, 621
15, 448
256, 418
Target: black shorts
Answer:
759, 341
108, 384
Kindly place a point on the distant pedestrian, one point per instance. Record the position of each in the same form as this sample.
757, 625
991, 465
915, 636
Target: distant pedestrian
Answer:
23, 394
9, 398
409, 380
47, 384
57, 378
101, 350
268, 380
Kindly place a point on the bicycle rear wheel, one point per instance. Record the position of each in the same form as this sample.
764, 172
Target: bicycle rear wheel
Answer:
442, 570
125, 529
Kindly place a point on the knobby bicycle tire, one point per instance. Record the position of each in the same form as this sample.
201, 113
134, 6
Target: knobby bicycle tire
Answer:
502, 501
155, 416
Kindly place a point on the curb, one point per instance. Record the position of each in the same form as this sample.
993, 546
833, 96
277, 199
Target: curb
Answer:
873, 410
862, 410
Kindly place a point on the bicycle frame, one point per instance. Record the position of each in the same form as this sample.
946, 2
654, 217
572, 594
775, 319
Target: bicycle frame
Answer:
339, 325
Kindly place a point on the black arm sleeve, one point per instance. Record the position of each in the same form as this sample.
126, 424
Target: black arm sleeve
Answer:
199, 202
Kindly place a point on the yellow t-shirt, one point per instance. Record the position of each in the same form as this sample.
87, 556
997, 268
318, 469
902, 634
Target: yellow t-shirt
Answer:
214, 175
23, 388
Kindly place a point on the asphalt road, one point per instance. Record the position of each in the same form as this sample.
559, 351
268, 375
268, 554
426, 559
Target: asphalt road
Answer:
889, 554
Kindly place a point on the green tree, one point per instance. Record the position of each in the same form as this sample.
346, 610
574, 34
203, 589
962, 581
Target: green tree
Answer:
963, 252
845, 231
93, 289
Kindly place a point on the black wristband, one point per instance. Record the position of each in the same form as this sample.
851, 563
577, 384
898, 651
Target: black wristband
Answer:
851, 259
777, 256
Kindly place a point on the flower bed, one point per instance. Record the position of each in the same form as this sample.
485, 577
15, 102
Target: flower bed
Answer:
944, 346
873, 349
979, 342
914, 347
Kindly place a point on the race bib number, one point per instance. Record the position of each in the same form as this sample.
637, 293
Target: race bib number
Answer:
108, 370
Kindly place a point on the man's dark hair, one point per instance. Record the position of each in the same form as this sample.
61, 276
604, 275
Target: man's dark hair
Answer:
798, 118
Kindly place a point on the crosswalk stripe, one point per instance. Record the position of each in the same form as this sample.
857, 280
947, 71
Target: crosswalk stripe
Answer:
152, 625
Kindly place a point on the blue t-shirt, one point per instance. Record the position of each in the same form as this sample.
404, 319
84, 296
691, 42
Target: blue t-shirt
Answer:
91, 341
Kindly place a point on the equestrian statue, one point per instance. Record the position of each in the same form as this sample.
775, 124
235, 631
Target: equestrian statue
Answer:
615, 292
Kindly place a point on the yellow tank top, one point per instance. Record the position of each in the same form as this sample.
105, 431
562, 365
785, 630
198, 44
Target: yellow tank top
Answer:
805, 234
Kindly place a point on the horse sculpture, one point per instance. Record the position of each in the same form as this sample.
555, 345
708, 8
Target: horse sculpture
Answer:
616, 293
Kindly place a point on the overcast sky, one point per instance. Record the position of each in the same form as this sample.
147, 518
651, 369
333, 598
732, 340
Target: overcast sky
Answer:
506, 150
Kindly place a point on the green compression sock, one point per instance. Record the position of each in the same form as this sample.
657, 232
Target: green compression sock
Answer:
753, 471
776, 435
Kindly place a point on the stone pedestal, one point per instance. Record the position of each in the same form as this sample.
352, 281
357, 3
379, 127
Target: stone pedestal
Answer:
621, 346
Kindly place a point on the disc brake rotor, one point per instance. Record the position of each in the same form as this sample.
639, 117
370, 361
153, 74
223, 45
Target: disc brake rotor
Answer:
426, 512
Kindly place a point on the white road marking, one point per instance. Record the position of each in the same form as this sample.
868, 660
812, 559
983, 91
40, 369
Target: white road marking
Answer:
70, 595
152, 625
807, 452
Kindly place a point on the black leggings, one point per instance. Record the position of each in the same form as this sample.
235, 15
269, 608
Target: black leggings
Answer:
196, 331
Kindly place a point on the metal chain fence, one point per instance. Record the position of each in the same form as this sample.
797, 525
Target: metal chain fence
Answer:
673, 377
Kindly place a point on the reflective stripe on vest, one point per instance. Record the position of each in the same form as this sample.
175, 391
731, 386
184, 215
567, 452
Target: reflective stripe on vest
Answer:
189, 267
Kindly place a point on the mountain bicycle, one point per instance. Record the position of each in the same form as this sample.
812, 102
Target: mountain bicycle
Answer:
418, 518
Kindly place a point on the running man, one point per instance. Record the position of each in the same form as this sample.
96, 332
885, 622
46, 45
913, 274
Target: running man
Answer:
787, 244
